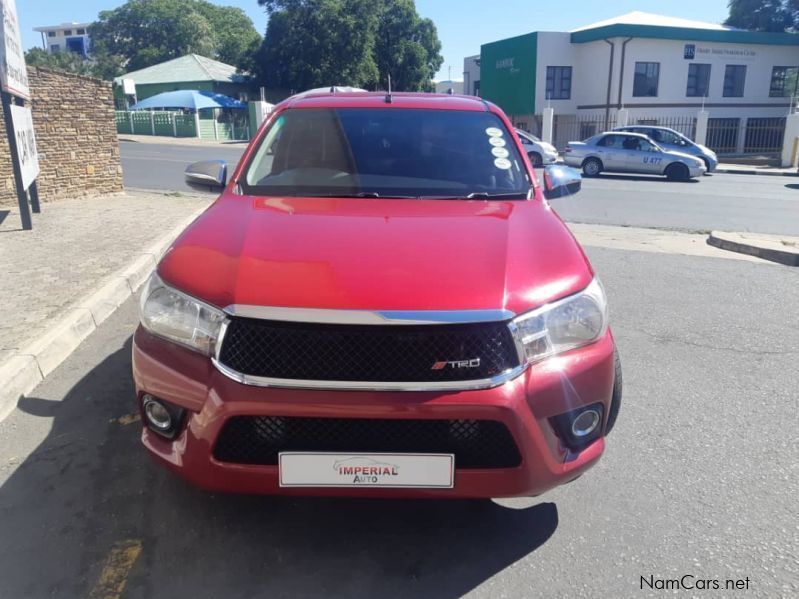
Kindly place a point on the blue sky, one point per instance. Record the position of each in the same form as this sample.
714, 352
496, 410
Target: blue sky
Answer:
462, 24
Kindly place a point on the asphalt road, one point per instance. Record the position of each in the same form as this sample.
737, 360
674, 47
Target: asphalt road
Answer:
161, 166
700, 477
722, 201
726, 202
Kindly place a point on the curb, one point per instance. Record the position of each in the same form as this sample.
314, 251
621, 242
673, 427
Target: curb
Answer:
722, 240
29, 366
744, 171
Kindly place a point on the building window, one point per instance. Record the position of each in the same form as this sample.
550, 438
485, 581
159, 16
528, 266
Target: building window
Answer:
698, 80
55, 48
476, 88
51, 34
81, 32
783, 82
734, 78
559, 83
646, 78
67, 32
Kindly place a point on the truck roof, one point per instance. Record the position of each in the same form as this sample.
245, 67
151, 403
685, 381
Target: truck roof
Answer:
398, 100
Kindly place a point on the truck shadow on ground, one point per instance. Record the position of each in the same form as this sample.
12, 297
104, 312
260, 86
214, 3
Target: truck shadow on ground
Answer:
89, 486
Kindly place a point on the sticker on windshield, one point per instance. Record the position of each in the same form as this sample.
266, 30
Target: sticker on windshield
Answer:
500, 152
502, 163
497, 142
494, 132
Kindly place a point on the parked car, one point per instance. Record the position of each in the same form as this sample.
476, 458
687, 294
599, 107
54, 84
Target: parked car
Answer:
630, 153
381, 302
540, 152
674, 140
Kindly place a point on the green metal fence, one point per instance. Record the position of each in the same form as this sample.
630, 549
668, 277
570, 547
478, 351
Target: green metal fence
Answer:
222, 126
185, 126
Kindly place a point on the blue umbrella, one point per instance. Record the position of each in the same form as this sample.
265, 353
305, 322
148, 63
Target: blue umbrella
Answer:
188, 98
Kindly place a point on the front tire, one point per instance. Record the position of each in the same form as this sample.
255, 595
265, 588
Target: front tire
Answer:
677, 171
535, 159
592, 167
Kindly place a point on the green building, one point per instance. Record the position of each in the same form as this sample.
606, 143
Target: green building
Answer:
187, 72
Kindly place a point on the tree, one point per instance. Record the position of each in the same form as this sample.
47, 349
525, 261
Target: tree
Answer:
236, 36
59, 61
314, 43
100, 64
406, 46
319, 42
763, 15
147, 32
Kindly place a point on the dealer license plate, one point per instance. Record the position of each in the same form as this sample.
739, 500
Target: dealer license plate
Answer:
392, 470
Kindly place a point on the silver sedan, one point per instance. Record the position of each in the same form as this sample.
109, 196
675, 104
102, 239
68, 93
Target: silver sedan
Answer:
630, 153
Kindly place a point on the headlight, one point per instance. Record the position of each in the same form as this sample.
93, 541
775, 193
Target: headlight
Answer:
566, 324
173, 315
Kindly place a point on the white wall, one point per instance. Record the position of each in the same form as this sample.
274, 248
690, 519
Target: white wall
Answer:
471, 73
590, 62
555, 50
759, 60
60, 38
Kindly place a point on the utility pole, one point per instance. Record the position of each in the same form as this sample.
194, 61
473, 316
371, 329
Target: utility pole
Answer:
18, 119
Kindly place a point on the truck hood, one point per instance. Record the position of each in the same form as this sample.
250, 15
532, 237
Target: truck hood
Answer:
375, 254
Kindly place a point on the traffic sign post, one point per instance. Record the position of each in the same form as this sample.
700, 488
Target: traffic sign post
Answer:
22, 195
18, 120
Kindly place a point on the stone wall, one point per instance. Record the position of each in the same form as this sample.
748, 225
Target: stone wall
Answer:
75, 134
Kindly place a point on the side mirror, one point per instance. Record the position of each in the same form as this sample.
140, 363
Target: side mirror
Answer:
561, 181
207, 175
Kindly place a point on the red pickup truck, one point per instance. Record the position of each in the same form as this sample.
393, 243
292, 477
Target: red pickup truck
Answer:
381, 302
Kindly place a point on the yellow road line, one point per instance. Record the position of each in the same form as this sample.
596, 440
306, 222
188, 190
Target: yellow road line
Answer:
118, 564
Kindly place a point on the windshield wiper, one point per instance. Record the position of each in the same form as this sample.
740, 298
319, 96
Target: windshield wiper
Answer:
484, 195
480, 195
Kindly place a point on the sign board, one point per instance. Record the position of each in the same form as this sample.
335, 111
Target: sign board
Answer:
13, 74
129, 87
26, 144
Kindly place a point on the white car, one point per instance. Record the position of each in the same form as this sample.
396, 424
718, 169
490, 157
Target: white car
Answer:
540, 152
619, 152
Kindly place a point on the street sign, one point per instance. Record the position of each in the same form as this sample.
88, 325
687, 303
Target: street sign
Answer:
13, 74
26, 144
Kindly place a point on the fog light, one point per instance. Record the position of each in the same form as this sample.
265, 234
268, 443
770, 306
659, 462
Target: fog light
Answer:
586, 423
579, 428
157, 414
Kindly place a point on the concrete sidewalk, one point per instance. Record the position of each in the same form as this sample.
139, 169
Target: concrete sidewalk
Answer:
774, 248
82, 259
181, 141
755, 169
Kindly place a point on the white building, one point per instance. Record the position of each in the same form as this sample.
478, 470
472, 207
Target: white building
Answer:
662, 70
471, 75
67, 36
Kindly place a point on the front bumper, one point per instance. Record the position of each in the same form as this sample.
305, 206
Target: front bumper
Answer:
549, 158
697, 171
524, 405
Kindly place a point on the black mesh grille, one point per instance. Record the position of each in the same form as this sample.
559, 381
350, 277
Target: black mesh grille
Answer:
259, 439
391, 353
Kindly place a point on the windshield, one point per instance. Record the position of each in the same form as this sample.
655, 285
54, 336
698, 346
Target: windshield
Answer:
387, 152
528, 135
